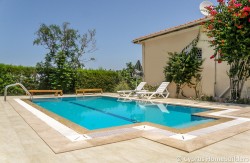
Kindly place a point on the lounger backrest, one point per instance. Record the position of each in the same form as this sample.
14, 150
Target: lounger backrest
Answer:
140, 86
162, 87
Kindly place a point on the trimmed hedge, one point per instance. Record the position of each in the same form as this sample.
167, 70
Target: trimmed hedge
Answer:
28, 76
10, 74
105, 79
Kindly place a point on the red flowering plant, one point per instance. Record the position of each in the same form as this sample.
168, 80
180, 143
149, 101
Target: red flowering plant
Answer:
229, 27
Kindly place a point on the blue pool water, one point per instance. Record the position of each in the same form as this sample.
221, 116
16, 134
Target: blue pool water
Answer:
103, 112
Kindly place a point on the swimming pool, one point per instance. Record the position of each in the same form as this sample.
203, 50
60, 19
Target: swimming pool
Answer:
98, 112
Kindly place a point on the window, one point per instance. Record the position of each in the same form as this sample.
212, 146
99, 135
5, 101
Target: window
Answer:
199, 54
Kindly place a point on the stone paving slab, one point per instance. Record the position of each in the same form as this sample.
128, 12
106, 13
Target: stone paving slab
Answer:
26, 144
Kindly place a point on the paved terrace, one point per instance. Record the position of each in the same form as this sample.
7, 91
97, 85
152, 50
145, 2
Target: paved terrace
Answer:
20, 143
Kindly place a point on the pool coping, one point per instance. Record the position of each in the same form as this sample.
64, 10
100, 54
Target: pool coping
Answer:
187, 141
82, 130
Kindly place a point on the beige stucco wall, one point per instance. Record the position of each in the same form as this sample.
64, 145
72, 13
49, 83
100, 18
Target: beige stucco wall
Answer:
246, 89
155, 56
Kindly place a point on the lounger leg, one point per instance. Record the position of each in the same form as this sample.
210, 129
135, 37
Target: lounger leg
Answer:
129, 94
167, 95
140, 95
162, 95
151, 96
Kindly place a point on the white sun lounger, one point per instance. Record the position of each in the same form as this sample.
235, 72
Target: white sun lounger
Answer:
161, 90
127, 93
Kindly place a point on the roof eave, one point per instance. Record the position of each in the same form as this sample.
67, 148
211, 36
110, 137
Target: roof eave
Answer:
182, 27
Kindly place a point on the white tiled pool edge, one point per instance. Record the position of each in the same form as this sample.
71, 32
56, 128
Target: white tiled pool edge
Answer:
210, 129
74, 136
64, 130
206, 130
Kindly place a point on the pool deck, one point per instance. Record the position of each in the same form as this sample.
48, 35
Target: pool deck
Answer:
25, 138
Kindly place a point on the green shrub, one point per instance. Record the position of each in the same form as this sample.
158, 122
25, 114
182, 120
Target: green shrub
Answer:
150, 87
207, 98
239, 101
123, 85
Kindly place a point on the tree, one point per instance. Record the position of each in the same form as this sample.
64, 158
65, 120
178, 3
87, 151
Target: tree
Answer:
184, 67
230, 29
127, 75
65, 50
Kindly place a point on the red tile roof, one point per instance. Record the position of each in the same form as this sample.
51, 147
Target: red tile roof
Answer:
170, 30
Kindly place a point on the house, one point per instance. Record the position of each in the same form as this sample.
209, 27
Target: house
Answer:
155, 48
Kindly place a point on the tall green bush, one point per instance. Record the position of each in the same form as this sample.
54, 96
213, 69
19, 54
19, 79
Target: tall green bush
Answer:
10, 74
105, 79
184, 67
126, 75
